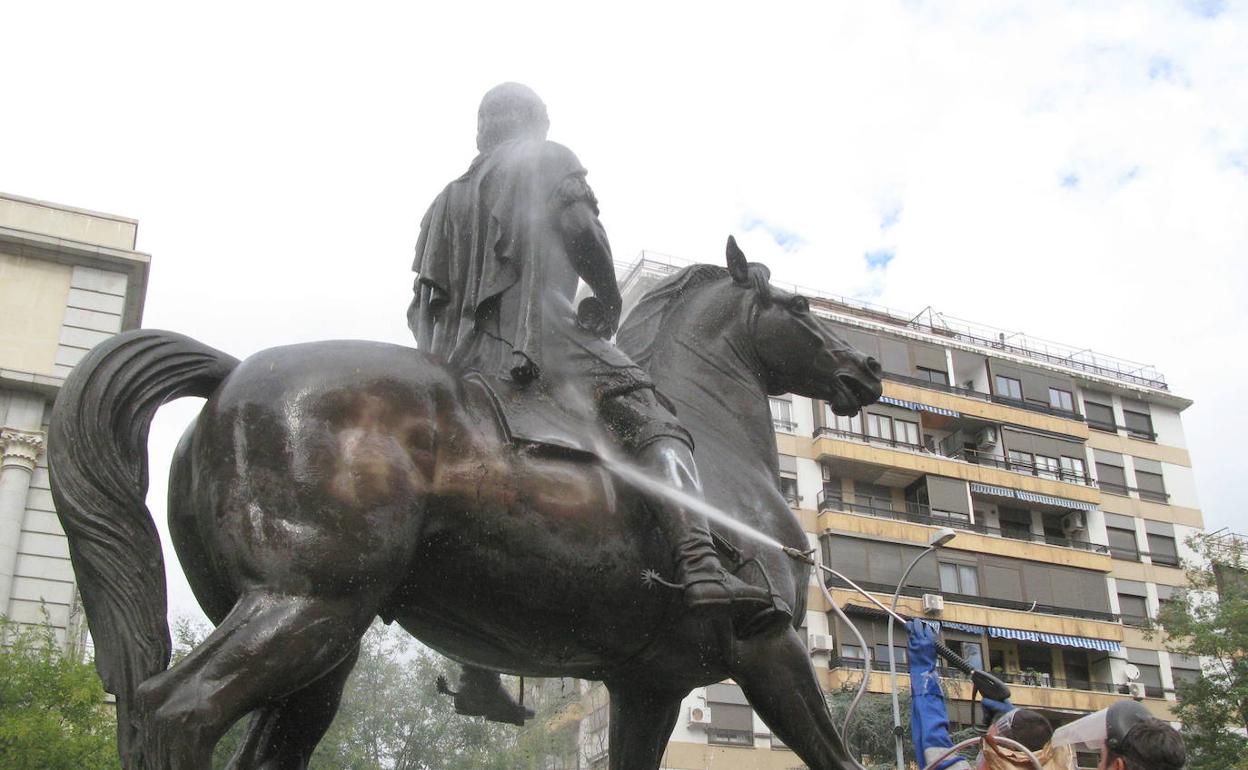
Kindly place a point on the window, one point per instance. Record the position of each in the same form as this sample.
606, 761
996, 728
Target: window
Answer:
1138, 424
933, 375
1061, 399
1015, 523
1074, 469
973, 654
1111, 478
879, 426
782, 415
831, 498
788, 488
1151, 486
873, 496
1009, 387
1150, 675
899, 655
1134, 610
732, 719
1047, 467
1078, 672
1122, 544
849, 424
1162, 549
852, 652
959, 579
1098, 412
1020, 461
907, 432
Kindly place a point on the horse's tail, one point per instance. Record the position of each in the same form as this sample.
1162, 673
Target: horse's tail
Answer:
97, 460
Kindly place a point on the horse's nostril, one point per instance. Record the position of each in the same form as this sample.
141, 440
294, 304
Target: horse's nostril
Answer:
874, 367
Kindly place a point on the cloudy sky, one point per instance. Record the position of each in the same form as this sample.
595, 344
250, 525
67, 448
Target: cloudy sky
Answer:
1076, 171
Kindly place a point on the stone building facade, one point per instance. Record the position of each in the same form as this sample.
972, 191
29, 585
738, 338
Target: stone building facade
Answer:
69, 278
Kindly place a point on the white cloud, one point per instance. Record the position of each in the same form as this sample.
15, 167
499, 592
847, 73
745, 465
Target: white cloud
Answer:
279, 157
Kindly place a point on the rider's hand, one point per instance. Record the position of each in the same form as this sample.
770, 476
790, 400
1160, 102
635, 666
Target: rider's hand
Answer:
922, 644
995, 708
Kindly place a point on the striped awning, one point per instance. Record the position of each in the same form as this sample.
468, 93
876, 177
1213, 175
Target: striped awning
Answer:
965, 627
915, 406
1081, 642
1031, 497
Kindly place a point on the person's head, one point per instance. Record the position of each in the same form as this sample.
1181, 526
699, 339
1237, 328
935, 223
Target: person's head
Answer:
510, 111
1025, 726
1150, 744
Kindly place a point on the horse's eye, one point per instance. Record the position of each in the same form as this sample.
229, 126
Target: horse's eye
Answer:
799, 305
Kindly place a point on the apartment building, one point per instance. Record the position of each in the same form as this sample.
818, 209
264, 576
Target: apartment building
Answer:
69, 278
1065, 477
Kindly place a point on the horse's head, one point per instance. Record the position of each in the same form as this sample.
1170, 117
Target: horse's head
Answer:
799, 352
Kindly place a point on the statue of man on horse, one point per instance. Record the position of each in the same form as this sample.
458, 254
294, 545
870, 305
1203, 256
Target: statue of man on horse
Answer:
498, 259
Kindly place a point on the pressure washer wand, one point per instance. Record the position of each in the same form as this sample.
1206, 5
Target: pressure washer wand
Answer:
988, 685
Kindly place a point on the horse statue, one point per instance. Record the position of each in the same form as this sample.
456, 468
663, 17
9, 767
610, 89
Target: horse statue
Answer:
325, 484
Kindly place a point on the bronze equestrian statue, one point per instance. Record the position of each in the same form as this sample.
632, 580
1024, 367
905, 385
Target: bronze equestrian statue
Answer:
325, 484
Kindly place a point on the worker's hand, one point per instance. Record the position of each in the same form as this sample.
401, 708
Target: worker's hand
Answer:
922, 645
995, 708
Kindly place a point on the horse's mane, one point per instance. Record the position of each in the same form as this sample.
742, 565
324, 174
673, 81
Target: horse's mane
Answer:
640, 331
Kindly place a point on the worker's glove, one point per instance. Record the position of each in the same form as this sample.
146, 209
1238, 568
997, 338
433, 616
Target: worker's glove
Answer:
922, 645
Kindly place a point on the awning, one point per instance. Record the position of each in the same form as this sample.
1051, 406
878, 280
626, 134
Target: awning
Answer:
914, 406
1031, 497
1081, 642
964, 627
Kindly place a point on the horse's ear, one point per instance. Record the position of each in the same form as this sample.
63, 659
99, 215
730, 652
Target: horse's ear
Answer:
738, 268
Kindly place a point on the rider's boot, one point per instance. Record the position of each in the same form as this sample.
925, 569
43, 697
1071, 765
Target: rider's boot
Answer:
481, 694
708, 588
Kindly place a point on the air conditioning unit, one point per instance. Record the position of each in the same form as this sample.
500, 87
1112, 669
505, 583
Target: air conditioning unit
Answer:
1136, 690
986, 438
933, 604
699, 716
819, 643
1075, 521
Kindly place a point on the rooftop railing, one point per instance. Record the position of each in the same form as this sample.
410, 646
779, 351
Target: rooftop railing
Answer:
938, 324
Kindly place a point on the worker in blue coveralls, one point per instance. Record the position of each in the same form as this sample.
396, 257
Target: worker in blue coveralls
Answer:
929, 720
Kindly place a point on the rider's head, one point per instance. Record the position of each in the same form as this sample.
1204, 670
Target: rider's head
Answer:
510, 111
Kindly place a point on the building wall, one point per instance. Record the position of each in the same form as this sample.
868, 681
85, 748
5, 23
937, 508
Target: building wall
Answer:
69, 279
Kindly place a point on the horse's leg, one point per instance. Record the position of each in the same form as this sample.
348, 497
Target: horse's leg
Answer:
775, 673
641, 722
268, 643
283, 735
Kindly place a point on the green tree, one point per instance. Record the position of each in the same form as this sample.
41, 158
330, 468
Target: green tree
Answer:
392, 718
1210, 619
870, 736
53, 713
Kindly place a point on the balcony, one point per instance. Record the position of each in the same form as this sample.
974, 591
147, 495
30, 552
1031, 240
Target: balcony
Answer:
783, 426
1122, 490
918, 513
976, 457
1027, 679
982, 601
992, 398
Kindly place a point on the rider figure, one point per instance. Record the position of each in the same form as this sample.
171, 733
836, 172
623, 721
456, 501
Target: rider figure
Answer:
498, 259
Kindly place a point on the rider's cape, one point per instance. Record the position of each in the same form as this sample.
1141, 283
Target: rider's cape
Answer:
475, 245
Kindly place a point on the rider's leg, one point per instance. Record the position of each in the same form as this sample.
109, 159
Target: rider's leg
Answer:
481, 694
708, 586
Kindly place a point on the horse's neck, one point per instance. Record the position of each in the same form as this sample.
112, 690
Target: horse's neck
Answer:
721, 400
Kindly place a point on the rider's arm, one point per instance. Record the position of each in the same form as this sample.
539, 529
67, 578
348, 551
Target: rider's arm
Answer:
929, 721
585, 240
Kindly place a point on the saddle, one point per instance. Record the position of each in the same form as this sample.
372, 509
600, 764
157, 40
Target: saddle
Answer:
538, 419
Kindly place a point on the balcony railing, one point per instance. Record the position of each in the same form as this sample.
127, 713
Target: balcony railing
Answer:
918, 513
888, 442
1040, 679
1114, 488
976, 457
1030, 406
983, 601
784, 426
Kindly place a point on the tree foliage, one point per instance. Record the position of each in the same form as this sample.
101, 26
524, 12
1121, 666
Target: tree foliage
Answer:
1210, 619
392, 718
53, 713
870, 736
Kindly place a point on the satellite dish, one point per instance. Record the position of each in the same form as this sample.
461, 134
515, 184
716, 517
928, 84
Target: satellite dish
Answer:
1132, 671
